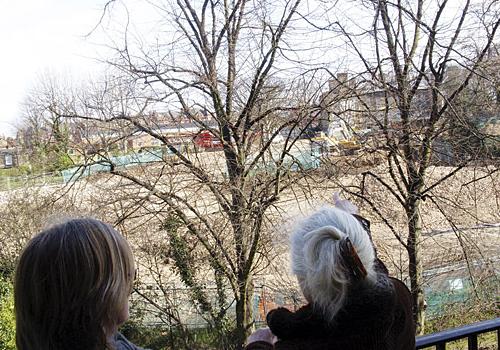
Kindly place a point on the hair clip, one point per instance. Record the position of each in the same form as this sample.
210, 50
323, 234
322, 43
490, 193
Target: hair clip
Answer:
352, 261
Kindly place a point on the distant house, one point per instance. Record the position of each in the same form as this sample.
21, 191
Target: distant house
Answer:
176, 128
363, 106
8, 153
86, 138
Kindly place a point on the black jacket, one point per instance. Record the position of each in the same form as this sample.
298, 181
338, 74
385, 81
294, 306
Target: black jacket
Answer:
374, 318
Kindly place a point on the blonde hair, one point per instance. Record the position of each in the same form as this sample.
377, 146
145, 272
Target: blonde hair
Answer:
72, 282
317, 258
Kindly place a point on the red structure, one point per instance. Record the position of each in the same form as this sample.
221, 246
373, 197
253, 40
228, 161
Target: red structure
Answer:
205, 139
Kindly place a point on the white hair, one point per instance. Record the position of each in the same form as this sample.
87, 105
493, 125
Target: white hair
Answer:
317, 261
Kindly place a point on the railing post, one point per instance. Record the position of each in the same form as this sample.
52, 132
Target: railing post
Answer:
472, 342
498, 338
441, 346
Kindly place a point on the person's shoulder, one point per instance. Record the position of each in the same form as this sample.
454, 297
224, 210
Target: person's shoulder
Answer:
398, 283
400, 288
122, 343
259, 345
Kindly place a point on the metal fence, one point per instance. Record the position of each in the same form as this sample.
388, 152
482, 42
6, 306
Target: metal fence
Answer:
156, 304
447, 291
452, 284
469, 332
8, 183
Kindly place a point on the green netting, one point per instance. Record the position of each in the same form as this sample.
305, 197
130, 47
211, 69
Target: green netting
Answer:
303, 159
100, 164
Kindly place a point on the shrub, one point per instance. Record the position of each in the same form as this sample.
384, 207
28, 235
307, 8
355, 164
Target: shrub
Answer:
7, 320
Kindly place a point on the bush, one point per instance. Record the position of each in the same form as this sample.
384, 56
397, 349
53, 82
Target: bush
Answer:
7, 320
462, 313
161, 337
63, 161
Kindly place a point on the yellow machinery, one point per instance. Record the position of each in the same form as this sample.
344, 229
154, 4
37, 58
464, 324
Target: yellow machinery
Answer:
331, 144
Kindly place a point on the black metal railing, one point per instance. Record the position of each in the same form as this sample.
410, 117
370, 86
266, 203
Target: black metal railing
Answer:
469, 332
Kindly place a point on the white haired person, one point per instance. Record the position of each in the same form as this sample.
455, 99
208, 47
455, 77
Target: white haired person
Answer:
352, 302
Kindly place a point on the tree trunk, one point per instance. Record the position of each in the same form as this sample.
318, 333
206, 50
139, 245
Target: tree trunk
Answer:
243, 314
415, 262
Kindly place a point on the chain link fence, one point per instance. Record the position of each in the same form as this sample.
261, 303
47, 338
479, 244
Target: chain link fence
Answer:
451, 284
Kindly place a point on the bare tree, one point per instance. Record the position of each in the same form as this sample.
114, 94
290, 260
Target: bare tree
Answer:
42, 134
401, 57
217, 74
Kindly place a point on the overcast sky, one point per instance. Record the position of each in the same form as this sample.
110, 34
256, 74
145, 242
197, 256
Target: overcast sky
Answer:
38, 36
48, 36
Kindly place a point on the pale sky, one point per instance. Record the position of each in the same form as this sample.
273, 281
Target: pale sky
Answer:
48, 37
38, 36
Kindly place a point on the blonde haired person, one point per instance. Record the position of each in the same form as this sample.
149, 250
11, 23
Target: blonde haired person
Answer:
72, 286
352, 302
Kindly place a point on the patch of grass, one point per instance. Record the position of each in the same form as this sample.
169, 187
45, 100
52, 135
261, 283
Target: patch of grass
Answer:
19, 171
